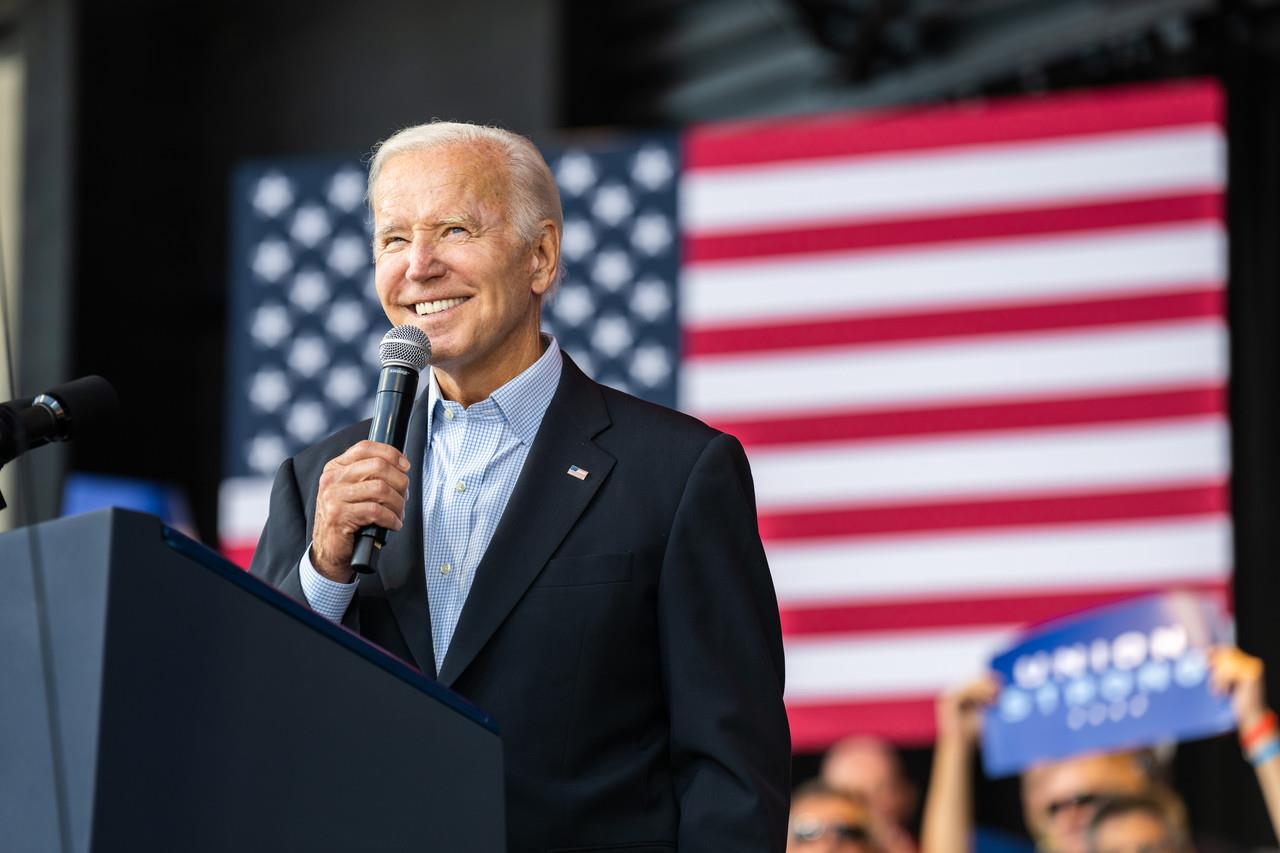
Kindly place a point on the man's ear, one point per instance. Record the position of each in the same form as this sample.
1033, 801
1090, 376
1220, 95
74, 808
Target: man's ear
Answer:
545, 257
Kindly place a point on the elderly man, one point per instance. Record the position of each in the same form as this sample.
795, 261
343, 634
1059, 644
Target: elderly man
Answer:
584, 566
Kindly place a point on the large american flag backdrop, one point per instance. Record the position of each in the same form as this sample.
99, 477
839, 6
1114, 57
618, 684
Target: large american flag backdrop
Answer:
977, 355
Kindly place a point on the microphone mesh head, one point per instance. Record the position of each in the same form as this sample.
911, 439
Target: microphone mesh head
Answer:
407, 345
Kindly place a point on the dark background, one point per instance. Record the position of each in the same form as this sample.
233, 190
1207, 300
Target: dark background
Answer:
139, 109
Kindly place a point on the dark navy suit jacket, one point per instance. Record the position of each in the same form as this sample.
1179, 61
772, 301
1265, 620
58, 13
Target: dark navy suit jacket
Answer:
622, 629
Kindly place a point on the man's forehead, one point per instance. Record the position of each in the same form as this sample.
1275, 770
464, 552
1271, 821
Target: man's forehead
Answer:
455, 177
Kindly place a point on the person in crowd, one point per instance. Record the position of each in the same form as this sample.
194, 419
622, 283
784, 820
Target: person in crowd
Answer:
1060, 798
1137, 824
872, 769
825, 819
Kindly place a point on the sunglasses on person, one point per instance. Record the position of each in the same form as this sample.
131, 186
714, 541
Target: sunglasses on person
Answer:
1079, 801
809, 831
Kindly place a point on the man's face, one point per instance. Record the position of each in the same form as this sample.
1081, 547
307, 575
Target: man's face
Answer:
828, 824
1133, 832
1060, 799
448, 260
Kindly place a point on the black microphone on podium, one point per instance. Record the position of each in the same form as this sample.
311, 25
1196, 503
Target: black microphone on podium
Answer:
404, 351
58, 414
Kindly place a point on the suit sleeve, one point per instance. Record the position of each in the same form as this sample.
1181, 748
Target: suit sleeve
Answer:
284, 538
721, 647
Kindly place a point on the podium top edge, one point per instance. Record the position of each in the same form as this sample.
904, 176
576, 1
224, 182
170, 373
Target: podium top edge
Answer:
212, 561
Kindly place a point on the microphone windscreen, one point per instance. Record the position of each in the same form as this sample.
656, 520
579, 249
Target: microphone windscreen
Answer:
407, 345
88, 400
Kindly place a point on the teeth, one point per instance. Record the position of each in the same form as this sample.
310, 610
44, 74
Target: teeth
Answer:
438, 305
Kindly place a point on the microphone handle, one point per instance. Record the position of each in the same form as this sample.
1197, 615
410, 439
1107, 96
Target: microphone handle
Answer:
397, 387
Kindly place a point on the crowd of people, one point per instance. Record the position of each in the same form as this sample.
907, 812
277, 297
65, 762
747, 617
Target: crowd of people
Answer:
1116, 802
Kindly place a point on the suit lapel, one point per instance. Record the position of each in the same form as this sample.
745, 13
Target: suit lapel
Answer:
544, 506
400, 563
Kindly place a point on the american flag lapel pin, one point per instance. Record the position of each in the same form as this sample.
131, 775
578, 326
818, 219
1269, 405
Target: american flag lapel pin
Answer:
575, 471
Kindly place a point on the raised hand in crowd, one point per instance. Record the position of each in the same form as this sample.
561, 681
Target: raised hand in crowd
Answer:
1240, 675
947, 824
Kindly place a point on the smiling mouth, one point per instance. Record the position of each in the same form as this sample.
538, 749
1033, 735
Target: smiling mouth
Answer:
425, 308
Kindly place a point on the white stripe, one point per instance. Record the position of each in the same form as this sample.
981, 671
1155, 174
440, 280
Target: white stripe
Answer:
1003, 175
1097, 556
890, 662
1019, 270
1148, 356
242, 508
1001, 463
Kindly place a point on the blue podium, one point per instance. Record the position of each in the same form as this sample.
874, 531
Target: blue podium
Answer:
155, 697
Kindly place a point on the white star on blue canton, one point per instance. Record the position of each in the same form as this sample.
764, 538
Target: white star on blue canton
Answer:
307, 355
307, 421
346, 384
310, 225
573, 304
346, 320
650, 364
652, 233
575, 173
651, 299
652, 168
612, 204
612, 335
271, 260
268, 389
309, 291
266, 452
346, 190
272, 194
270, 325
578, 239
612, 269
348, 254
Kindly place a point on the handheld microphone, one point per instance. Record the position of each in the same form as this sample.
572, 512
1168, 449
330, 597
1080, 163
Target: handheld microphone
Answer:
56, 415
404, 351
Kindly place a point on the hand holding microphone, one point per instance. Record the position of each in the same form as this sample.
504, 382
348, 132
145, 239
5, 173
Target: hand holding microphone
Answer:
362, 492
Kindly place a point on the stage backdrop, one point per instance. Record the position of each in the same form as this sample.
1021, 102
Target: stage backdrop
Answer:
977, 355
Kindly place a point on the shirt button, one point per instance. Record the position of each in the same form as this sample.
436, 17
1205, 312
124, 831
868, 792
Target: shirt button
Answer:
448, 414
445, 569
461, 486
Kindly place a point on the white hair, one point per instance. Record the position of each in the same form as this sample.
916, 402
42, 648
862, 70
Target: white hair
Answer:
533, 193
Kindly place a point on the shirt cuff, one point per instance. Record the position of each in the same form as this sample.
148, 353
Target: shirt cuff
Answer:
327, 597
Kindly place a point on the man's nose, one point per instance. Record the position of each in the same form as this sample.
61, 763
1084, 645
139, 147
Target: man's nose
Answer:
424, 261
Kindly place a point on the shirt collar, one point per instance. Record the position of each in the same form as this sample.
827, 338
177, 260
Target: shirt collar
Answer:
523, 400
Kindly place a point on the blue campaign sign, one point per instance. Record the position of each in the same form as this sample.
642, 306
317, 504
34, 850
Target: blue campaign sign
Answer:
1123, 676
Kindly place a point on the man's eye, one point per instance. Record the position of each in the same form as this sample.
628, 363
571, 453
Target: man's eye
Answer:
455, 230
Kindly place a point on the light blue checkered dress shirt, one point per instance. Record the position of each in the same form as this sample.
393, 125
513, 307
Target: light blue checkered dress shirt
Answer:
472, 459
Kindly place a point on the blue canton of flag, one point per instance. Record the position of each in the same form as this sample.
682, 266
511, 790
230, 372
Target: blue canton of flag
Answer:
305, 321
615, 313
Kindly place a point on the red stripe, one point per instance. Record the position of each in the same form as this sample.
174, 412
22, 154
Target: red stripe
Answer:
1012, 511
241, 555
1203, 300
967, 611
1002, 121
707, 247
801, 427
901, 719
